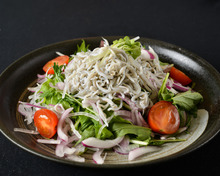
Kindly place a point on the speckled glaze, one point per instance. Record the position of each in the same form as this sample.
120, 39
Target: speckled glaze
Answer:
22, 73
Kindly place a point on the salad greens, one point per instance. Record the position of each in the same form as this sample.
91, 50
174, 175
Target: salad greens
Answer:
186, 100
130, 46
83, 47
125, 112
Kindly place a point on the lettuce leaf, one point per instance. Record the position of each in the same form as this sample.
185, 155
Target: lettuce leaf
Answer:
187, 101
130, 46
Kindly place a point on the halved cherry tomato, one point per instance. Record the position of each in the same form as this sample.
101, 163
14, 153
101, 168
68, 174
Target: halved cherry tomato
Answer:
179, 76
46, 122
164, 118
60, 60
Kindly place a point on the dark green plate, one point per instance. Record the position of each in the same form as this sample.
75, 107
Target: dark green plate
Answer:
18, 76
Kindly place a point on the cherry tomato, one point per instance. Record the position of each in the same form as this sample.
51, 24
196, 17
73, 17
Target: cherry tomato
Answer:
164, 118
60, 60
46, 122
179, 76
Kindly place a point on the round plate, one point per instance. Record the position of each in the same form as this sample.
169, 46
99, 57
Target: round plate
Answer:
18, 76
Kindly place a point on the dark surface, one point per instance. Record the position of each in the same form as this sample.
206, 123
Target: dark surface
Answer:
25, 26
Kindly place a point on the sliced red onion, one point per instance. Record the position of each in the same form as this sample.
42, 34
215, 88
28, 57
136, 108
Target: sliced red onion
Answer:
32, 105
124, 148
141, 151
27, 112
141, 121
128, 101
164, 137
98, 143
86, 114
60, 85
80, 149
127, 115
136, 117
41, 76
32, 89
125, 142
180, 87
76, 158
22, 130
168, 87
102, 43
49, 141
123, 113
73, 128
60, 132
59, 149
59, 53
147, 54
68, 150
180, 130
64, 148
151, 55
73, 138
97, 157
59, 108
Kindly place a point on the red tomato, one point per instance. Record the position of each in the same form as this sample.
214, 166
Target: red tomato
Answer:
164, 118
60, 60
46, 122
179, 76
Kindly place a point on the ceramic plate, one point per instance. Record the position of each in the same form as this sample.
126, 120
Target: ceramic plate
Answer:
22, 73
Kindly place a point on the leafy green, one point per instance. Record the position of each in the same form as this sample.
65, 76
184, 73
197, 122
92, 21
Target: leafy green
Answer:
78, 101
137, 132
161, 142
83, 47
164, 94
187, 100
58, 76
130, 46
50, 95
91, 128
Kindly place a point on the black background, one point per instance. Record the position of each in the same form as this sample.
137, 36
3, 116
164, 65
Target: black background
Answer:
27, 25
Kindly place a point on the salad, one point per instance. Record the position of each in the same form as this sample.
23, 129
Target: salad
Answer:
118, 97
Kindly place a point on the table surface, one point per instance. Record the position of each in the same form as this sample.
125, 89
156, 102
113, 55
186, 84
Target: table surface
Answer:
27, 25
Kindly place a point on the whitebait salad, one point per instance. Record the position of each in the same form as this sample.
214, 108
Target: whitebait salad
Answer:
117, 97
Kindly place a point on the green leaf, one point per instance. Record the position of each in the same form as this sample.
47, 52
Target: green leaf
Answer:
188, 100
88, 132
105, 133
138, 132
130, 46
161, 142
164, 94
83, 47
58, 76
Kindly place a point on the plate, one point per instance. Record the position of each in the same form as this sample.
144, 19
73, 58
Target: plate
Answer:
22, 73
